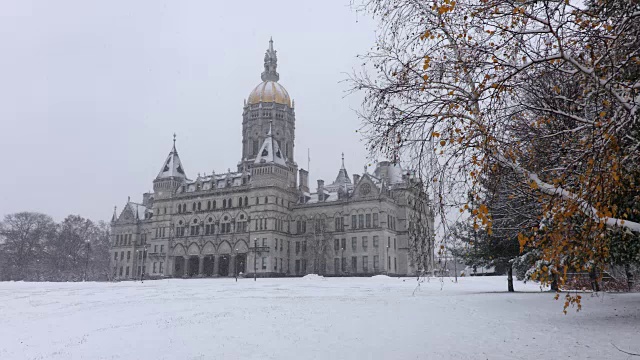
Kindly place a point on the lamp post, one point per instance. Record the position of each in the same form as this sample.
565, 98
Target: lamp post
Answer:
144, 256
388, 262
86, 265
255, 257
235, 265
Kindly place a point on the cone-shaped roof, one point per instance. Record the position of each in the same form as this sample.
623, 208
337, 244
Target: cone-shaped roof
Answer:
172, 167
270, 151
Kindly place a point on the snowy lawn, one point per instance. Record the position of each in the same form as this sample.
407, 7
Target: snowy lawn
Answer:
334, 318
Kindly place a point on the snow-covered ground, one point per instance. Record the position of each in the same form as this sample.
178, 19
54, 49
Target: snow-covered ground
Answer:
310, 318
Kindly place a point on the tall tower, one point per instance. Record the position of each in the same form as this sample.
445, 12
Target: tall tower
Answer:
268, 106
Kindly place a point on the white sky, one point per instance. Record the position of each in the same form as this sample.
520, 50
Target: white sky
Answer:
91, 92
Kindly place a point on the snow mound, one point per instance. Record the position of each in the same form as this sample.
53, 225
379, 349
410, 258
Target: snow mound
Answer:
313, 277
381, 278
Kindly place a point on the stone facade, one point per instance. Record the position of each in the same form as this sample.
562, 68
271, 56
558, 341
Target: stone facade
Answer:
263, 219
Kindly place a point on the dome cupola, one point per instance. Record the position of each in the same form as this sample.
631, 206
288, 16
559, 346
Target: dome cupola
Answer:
269, 90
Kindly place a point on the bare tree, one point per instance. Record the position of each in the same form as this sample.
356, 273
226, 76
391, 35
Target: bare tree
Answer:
24, 236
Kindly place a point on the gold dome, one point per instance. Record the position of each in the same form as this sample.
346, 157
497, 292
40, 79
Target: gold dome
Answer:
269, 91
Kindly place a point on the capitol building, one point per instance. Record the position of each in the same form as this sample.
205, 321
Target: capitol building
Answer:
265, 219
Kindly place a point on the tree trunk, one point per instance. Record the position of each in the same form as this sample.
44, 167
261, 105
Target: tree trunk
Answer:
595, 286
629, 276
510, 278
554, 282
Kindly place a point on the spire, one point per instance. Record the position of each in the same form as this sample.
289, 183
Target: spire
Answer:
270, 64
270, 151
172, 166
115, 216
342, 178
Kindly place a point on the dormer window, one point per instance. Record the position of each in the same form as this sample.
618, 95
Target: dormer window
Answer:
265, 152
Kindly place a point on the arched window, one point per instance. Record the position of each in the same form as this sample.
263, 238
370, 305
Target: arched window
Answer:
199, 206
246, 201
266, 199
193, 206
209, 205
224, 203
257, 201
230, 203
239, 202
214, 204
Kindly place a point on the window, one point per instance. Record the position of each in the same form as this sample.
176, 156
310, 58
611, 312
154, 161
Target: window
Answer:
264, 242
128, 255
214, 204
297, 248
336, 265
389, 242
120, 270
395, 264
336, 244
275, 264
365, 242
161, 250
193, 207
266, 199
394, 243
297, 266
339, 223
257, 201
127, 274
115, 255
240, 202
304, 247
199, 206
209, 205
344, 244
365, 263
224, 203
344, 264
154, 267
354, 243
354, 225
264, 262
376, 260
354, 264
160, 270
121, 255
375, 241
304, 265
368, 220
361, 221
155, 248
388, 262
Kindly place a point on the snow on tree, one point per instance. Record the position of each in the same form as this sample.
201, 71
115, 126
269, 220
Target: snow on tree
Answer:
548, 90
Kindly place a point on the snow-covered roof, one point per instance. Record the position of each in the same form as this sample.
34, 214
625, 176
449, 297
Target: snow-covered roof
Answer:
215, 181
270, 151
172, 167
138, 209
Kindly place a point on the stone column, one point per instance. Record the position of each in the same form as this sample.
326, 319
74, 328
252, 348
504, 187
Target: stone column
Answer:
185, 273
216, 265
200, 265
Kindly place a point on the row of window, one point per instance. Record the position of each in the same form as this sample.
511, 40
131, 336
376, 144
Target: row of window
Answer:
123, 239
342, 245
340, 264
213, 205
115, 255
364, 221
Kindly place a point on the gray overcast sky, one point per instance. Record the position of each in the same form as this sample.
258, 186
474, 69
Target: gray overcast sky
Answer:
92, 91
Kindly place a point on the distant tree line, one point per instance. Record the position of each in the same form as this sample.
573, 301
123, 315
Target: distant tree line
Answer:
33, 247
